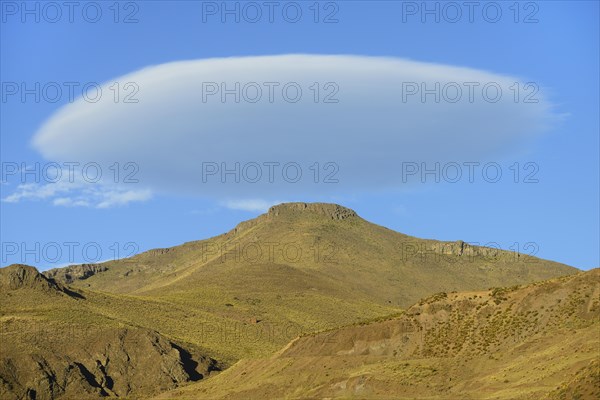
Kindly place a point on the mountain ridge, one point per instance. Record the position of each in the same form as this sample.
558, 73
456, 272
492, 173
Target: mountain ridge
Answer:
288, 214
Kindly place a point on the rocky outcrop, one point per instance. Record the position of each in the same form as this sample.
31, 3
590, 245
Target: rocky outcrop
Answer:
19, 276
458, 248
332, 211
75, 272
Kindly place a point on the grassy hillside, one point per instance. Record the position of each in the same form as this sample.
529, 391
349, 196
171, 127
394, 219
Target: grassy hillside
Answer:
531, 342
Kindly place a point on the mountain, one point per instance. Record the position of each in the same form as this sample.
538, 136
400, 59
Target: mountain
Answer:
203, 306
298, 268
539, 341
327, 245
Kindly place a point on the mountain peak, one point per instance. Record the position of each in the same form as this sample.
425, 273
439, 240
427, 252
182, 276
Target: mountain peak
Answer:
333, 211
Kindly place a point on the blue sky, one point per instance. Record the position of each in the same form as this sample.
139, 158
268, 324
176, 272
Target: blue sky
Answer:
369, 137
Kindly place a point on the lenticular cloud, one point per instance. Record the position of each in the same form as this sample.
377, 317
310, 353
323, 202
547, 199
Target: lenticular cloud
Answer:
292, 124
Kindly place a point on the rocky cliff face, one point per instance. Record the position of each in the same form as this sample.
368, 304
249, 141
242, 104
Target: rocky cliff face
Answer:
463, 249
108, 362
301, 210
331, 211
75, 272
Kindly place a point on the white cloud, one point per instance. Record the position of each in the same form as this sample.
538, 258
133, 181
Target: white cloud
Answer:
172, 130
79, 193
35, 191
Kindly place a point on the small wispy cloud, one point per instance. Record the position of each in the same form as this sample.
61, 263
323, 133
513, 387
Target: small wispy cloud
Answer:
79, 193
36, 191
